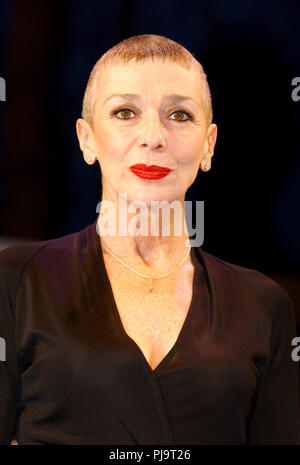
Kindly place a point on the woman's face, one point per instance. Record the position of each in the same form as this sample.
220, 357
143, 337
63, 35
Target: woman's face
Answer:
153, 127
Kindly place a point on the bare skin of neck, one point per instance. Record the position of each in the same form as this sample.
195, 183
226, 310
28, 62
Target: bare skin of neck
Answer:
149, 253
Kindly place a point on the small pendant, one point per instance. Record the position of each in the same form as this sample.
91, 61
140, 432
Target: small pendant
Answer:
150, 287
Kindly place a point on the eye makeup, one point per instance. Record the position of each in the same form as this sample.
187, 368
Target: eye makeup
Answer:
189, 115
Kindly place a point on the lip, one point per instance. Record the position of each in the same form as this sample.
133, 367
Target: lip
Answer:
149, 172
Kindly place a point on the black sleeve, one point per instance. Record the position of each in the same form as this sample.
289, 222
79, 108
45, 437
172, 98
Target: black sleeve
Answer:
276, 417
13, 262
8, 365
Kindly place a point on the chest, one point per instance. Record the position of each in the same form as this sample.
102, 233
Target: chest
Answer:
153, 321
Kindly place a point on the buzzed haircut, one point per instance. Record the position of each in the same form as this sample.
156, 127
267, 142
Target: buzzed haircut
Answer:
140, 48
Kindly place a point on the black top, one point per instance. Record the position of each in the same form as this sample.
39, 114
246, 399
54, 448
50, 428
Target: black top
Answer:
72, 375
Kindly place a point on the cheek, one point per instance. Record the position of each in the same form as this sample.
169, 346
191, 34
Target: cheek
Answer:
114, 136
109, 146
188, 152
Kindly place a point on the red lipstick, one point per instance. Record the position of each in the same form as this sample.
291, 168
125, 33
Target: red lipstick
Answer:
149, 172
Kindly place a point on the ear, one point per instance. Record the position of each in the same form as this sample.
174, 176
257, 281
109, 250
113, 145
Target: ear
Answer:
211, 139
84, 133
86, 140
208, 151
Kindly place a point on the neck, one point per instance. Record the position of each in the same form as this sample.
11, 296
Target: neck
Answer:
158, 249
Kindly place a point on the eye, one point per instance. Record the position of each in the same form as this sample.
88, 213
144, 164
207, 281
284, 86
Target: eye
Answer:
126, 114
125, 111
181, 112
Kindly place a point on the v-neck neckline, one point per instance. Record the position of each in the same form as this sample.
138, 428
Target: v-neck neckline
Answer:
125, 335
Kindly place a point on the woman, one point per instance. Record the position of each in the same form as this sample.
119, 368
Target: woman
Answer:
143, 339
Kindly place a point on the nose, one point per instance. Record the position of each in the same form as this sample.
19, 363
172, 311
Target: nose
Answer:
151, 134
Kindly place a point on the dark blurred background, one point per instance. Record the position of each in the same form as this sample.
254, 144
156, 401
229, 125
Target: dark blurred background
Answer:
250, 52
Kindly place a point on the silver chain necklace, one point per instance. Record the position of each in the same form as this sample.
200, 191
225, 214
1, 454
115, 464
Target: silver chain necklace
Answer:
148, 277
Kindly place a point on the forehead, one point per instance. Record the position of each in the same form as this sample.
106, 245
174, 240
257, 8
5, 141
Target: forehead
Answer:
150, 79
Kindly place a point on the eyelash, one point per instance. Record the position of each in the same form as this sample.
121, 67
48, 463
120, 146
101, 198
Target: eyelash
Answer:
189, 115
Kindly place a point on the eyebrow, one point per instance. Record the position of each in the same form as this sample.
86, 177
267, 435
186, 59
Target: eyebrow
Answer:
174, 98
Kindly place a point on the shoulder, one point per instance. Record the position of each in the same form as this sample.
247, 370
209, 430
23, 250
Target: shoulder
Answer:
16, 259
270, 293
